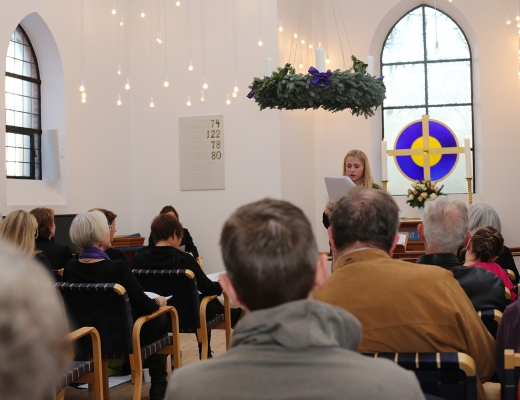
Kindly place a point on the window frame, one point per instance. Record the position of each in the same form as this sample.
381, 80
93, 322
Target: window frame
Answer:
31, 132
425, 62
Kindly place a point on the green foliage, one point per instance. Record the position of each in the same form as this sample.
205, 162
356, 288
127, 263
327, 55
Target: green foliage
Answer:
287, 90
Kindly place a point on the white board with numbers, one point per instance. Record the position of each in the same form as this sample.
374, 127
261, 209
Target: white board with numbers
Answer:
201, 149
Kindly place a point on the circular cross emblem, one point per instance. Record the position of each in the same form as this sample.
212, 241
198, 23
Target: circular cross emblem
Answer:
426, 149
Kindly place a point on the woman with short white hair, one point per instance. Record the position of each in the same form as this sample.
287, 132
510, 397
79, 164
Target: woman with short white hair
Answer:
90, 232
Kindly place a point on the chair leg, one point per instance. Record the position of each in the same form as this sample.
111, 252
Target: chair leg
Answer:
138, 385
202, 337
104, 369
61, 395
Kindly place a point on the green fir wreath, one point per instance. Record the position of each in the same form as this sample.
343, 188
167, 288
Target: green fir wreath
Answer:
333, 91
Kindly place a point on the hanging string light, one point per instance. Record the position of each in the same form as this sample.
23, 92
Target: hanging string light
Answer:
82, 49
142, 10
127, 59
280, 28
260, 43
165, 83
436, 40
188, 103
118, 102
234, 31
114, 11
205, 84
190, 66
158, 37
151, 104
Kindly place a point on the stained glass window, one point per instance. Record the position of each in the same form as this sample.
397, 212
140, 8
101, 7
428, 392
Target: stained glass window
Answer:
421, 80
22, 109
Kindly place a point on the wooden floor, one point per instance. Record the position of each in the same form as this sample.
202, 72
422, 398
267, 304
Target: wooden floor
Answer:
189, 354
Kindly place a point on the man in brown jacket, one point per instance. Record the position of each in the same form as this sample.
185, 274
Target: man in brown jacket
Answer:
402, 307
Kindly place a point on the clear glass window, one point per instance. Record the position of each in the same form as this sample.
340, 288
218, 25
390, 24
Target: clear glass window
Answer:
422, 81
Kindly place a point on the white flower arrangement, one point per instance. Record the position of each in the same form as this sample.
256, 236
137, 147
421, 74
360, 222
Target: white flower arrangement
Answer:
422, 191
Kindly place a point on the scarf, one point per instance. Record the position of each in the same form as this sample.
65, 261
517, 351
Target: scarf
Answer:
94, 252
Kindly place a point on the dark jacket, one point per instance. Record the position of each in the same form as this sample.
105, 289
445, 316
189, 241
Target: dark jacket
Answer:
187, 242
57, 254
484, 289
115, 254
167, 257
40, 257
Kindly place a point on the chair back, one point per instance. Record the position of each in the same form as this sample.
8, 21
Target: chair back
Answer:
104, 306
447, 375
511, 374
491, 318
181, 284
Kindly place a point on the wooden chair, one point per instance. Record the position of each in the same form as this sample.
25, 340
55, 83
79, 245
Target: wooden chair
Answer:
106, 307
491, 318
508, 296
200, 260
447, 375
85, 371
181, 284
511, 374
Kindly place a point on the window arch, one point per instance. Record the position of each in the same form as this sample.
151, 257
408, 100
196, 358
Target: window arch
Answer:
421, 80
22, 109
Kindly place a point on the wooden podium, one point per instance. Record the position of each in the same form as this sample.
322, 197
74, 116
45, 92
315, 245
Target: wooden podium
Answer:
409, 227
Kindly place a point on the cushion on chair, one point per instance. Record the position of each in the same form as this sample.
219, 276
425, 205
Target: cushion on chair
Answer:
148, 350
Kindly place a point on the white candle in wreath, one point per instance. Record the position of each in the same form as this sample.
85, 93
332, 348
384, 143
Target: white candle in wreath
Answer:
268, 67
320, 59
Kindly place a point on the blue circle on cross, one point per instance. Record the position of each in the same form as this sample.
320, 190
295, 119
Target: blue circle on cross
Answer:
426, 150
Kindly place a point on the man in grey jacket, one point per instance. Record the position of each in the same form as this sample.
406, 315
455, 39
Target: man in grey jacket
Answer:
288, 346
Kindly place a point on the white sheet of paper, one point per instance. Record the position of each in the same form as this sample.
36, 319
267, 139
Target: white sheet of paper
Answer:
153, 295
113, 381
402, 239
338, 186
214, 277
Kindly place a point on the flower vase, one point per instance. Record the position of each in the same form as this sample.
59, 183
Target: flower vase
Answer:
421, 212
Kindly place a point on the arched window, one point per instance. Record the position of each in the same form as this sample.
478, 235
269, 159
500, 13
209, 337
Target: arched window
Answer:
423, 78
22, 109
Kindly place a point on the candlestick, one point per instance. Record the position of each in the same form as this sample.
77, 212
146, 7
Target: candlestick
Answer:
268, 67
384, 161
320, 59
470, 191
370, 67
384, 186
467, 152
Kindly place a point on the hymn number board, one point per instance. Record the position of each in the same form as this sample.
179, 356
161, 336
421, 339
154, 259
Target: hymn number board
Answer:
201, 147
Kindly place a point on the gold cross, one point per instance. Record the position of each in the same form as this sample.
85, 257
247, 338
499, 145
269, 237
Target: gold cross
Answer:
426, 152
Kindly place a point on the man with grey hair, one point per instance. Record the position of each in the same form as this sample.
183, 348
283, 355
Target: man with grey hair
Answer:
444, 229
403, 307
288, 346
33, 350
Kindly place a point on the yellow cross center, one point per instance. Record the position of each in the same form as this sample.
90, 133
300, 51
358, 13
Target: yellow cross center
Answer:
433, 144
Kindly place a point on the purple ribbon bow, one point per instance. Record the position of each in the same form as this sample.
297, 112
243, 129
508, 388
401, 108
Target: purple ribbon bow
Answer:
381, 80
251, 94
320, 77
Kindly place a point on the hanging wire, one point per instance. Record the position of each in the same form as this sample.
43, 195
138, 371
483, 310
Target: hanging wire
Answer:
151, 47
189, 29
164, 38
293, 38
203, 37
260, 16
339, 36
235, 53
299, 25
127, 35
436, 40
82, 34
344, 27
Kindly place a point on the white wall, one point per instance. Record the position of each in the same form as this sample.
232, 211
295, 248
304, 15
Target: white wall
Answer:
126, 158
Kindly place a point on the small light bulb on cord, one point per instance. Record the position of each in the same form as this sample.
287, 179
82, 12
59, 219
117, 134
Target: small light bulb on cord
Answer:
127, 84
81, 86
518, 15
310, 45
205, 84
83, 100
119, 102
119, 69
260, 43
159, 37
202, 98
114, 9
166, 83
152, 104
327, 59
303, 40
188, 103
228, 102
142, 13
295, 34
436, 46
190, 67
508, 19
177, 3
301, 64
280, 28
84, 95
236, 89
234, 94
121, 20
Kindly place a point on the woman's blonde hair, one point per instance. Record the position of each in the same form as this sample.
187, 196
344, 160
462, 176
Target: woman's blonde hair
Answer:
88, 228
20, 228
367, 174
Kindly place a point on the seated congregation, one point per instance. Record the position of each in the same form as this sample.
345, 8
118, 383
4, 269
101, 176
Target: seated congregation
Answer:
297, 333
